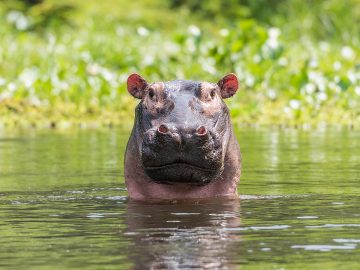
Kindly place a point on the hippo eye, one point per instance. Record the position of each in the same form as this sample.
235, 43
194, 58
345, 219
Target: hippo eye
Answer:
151, 93
212, 93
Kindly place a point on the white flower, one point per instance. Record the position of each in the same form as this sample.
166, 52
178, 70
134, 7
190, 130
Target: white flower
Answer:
94, 83
194, 30
2, 81
335, 87
313, 63
283, 61
235, 57
357, 90
287, 110
35, 100
142, 31
148, 60
11, 87
22, 23
295, 104
93, 69
322, 96
352, 76
208, 65
249, 81
309, 99
257, 58
272, 94
12, 16
107, 74
224, 32
318, 79
274, 32
28, 76
96, 69
56, 91
57, 84
337, 65
310, 88
190, 45
172, 47
347, 52
17, 18
86, 56
272, 43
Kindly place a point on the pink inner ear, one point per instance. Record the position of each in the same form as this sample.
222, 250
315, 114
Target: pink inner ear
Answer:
229, 85
134, 80
136, 84
231, 82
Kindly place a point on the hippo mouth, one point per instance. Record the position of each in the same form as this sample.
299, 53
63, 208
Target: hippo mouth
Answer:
181, 172
177, 164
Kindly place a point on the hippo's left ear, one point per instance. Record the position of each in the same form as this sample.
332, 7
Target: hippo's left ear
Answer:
228, 85
136, 85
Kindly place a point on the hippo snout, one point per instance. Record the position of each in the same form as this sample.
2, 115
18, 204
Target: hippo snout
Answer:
181, 135
173, 153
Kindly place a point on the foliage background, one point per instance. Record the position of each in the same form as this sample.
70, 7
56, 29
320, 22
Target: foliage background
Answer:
64, 63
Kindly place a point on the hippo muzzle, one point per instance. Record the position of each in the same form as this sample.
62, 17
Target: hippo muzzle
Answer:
174, 154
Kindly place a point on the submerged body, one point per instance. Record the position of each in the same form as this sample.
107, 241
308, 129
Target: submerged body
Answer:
182, 144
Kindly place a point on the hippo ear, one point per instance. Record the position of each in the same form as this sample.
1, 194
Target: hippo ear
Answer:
136, 85
228, 85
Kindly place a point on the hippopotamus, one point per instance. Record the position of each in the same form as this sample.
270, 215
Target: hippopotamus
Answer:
182, 145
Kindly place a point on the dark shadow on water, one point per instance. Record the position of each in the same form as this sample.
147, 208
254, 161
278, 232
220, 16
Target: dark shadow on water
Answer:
181, 235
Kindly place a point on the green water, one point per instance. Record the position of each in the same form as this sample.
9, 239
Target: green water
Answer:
63, 205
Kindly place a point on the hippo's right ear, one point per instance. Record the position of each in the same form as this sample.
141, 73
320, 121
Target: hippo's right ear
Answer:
228, 85
136, 85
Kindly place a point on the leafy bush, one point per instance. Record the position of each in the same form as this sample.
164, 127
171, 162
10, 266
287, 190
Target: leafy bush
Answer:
36, 14
321, 19
80, 73
261, 10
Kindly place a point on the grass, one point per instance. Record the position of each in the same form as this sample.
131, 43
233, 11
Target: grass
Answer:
70, 67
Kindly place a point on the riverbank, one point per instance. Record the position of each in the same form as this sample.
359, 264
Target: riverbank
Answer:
67, 63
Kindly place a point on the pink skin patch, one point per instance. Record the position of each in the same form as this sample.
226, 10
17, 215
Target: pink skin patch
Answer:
135, 85
228, 85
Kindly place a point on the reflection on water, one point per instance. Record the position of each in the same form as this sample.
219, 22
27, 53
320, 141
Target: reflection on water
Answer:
169, 236
63, 205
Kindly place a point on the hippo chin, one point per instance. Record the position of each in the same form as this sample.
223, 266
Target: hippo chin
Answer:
182, 144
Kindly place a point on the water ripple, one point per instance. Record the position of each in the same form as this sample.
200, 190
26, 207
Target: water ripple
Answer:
333, 226
324, 247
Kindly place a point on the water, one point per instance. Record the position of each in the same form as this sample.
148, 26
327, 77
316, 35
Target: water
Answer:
63, 205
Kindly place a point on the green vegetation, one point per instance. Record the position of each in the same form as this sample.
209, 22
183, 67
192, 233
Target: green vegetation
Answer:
67, 62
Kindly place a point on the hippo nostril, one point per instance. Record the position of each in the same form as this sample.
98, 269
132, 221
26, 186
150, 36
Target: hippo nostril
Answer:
201, 131
163, 129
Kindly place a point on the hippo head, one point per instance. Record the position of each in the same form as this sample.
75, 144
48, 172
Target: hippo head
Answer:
182, 128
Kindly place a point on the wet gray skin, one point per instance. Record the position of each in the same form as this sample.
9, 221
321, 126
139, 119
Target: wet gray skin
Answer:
181, 135
187, 146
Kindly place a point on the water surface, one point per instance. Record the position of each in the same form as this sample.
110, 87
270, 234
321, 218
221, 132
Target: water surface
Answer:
63, 205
